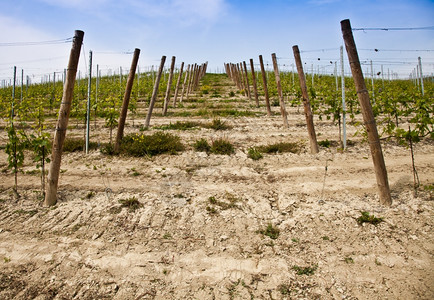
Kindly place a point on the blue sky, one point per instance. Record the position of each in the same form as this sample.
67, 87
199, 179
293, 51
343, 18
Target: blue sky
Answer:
217, 31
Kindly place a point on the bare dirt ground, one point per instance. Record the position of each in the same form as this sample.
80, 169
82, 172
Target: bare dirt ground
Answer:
180, 245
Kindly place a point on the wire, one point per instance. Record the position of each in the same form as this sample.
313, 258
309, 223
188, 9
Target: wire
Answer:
68, 40
397, 50
396, 28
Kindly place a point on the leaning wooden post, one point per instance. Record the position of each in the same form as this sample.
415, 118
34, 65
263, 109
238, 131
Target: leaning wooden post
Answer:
177, 83
169, 85
247, 80
306, 103
187, 73
62, 122
155, 92
279, 90
255, 87
264, 80
368, 116
125, 103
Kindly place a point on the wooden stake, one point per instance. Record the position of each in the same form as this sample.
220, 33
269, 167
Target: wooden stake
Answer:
185, 82
169, 86
62, 122
125, 103
247, 80
255, 87
177, 83
264, 81
368, 116
155, 92
279, 90
306, 102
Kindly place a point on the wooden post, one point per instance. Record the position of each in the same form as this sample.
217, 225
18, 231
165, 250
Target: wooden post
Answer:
306, 102
169, 85
187, 73
279, 90
89, 86
255, 87
247, 80
177, 83
155, 92
62, 122
368, 116
125, 103
264, 80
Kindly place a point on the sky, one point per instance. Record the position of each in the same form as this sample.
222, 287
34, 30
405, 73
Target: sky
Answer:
217, 31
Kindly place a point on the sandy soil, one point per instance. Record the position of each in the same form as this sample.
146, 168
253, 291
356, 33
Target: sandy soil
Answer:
179, 245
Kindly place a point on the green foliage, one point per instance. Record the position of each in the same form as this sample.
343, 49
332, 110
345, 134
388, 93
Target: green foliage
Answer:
17, 142
218, 124
367, 218
326, 143
131, 203
202, 145
254, 153
150, 145
179, 126
270, 231
222, 146
77, 144
280, 148
305, 270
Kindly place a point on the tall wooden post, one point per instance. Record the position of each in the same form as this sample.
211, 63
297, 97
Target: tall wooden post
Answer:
169, 86
89, 86
62, 122
125, 103
368, 116
177, 83
187, 74
155, 92
255, 87
264, 81
247, 80
306, 102
279, 90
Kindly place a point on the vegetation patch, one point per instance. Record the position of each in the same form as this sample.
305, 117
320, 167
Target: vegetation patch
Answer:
280, 148
305, 270
150, 145
367, 218
131, 203
202, 145
254, 154
179, 126
222, 146
270, 231
218, 124
77, 144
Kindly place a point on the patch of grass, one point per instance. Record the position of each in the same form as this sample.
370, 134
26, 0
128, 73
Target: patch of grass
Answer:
305, 270
202, 145
218, 124
325, 238
232, 202
270, 231
211, 210
233, 113
284, 289
294, 240
254, 153
349, 260
90, 195
179, 126
131, 203
231, 94
367, 218
167, 236
6, 259
222, 146
31, 212
77, 144
280, 148
150, 145
325, 143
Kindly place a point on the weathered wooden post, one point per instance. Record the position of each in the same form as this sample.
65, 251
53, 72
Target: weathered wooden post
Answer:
306, 103
247, 80
279, 90
368, 116
89, 86
264, 81
155, 92
187, 74
123, 116
62, 122
255, 87
169, 85
178, 81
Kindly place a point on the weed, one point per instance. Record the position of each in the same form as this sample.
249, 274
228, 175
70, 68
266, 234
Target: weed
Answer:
150, 145
202, 145
90, 195
284, 289
294, 240
31, 213
280, 148
349, 260
275, 102
254, 154
305, 270
222, 146
135, 173
270, 231
77, 144
131, 203
225, 205
6, 259
231, 94
211, 210
325, 238
179, 126
167, 236
367, 218
218, 124
325, 143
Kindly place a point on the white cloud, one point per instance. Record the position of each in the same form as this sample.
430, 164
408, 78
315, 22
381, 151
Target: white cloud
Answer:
77, 4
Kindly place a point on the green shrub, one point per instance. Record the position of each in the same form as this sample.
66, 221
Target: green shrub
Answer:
77, 144
280, 148
202, 145
305, 270
254, 154
231, 94
270, 231
151, 145
179, 126
325, 143
367, 218
218, 124
222, 146
131, 203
